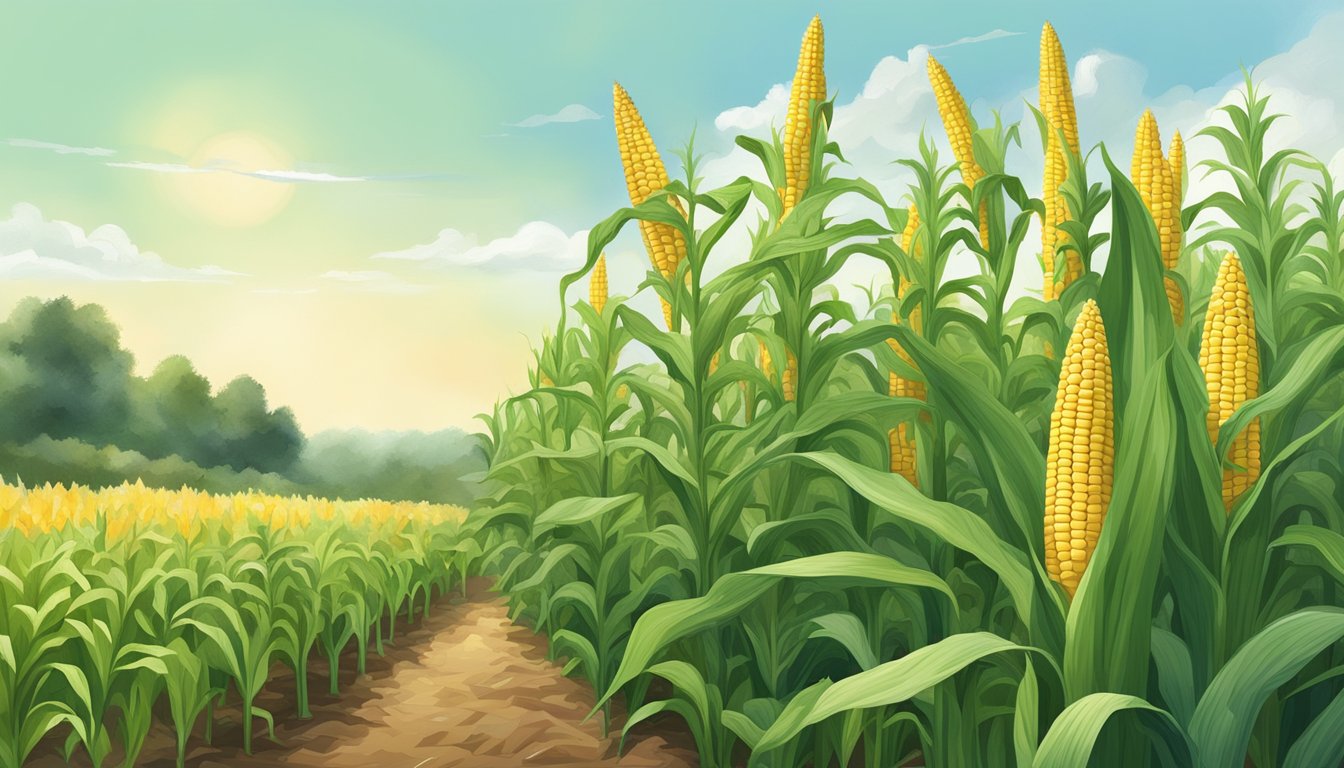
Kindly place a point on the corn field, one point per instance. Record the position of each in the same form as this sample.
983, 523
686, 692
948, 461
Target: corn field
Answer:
1100, 524
114, 602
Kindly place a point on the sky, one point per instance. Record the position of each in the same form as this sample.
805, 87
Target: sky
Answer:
367, 206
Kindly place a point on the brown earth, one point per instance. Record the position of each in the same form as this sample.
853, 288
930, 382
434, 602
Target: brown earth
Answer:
466, 688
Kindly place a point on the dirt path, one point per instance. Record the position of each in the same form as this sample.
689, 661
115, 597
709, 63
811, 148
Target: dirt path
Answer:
466, 688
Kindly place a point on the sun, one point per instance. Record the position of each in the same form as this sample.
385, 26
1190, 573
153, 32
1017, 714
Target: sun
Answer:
222, 192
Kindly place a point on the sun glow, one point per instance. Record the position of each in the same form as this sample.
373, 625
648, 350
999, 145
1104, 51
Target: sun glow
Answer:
221, 189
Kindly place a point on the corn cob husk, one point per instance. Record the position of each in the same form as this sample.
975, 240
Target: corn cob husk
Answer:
1229, 355
957, 124
1057, 107
597, 284
789, 376
1081, 459
809, 85
644, 175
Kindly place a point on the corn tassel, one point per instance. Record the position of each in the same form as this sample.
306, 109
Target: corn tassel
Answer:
809, 85
1080, 463
1057, 107
957, 123
597, 284
644, 175
1230, 359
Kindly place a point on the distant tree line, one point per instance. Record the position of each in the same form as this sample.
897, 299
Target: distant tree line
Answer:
64, 374
72, 410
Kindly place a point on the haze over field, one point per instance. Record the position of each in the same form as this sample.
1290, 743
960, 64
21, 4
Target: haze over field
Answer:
376, 237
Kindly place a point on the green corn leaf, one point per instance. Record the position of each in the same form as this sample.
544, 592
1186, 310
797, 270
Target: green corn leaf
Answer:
664, 624
1072, 736
1328, 544
886, 684
1221, 725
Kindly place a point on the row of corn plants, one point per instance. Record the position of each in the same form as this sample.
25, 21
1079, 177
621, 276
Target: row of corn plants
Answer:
115, 601
1097, 525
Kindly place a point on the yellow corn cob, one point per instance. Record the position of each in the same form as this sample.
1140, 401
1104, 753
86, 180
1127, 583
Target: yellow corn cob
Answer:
957, 123
1152, 177
809, 85
902, 438
1080, 462
1057, 107
1176, 162
597, 284
1230, 359
903, 458
912, 247
644, 175
790, 371
1056, 92
714, 363
789, 383
1176, 159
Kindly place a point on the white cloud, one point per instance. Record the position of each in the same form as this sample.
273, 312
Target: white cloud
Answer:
883, 123
282, 176
372, 281
537, 245
60, 149
33, 247
747, 119
570, 113
996, 34
138, 165
284, 291
301, 176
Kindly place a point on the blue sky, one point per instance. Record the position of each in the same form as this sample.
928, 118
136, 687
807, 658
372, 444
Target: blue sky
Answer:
230, 179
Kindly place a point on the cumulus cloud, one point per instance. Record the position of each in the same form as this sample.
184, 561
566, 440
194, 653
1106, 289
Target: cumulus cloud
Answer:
752, 118
885, 120
60, 149
536, 246
570, 113
33, 247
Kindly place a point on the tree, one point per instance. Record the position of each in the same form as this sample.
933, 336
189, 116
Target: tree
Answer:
175, 414
252, 436
74, 378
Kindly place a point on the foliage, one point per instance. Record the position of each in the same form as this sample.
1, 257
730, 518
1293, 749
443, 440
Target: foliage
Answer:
111, 601
64, 374
685, 527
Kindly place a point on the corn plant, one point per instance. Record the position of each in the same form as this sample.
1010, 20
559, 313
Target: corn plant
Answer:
1112, 532
116, 599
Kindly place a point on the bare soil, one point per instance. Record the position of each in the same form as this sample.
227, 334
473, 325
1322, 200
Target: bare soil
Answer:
466, 687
